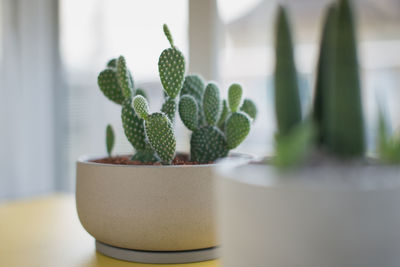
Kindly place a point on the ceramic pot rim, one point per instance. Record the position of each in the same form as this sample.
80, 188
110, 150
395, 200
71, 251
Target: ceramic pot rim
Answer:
233, 158
347, 177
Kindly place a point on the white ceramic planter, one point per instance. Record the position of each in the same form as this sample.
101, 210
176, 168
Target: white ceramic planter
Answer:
317, 217
155, 214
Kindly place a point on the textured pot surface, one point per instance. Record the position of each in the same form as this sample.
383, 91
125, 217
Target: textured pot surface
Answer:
155, 208
324, 216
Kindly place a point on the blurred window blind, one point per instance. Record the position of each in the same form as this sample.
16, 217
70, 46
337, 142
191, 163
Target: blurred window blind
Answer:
29, 84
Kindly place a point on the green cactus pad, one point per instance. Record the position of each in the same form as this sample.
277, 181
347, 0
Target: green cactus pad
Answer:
211, 104
108, 84
110, 139
124, 78
171, 67
236, 129
141, 106
169, 108
133, 126
161, 136
194, 86
188, 111
235, 93
207, 144
141, 92
287, 99
112, 63
224, 114
168, 35
146, 156
250, 108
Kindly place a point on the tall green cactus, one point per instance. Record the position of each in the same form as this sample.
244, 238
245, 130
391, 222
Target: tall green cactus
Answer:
337, 105
325, 75
337, 111
209, 142
287, 100
345, 117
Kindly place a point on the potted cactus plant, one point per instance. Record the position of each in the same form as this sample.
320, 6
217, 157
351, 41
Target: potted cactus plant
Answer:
157, 206
319, 201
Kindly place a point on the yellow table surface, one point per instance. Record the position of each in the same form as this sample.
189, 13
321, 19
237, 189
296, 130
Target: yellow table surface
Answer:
46, 232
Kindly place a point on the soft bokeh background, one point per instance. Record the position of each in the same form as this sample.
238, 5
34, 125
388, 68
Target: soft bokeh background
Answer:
51, 52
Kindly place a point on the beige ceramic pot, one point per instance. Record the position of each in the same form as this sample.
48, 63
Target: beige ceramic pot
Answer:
346, 216
156, 214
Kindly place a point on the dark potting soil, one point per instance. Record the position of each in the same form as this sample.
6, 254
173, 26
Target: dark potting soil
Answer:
180, 159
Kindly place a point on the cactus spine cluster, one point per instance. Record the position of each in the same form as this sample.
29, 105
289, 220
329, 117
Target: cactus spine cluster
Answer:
337, 110
216, 128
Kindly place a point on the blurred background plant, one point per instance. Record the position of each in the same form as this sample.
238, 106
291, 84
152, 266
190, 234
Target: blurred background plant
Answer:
52, 52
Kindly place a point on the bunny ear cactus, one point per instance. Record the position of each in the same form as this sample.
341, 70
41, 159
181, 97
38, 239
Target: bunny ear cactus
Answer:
208, 144
158, 129
169, 108
194, 86
108, 83
224, 115
171, 67
133, 126
125, 79
237, 126
188, 112
250, 108
116, 83
213, 140
211, 104
235, 93
217, 126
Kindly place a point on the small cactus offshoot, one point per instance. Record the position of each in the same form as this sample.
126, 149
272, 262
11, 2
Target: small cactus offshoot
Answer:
223, 129
217, 126
110, 140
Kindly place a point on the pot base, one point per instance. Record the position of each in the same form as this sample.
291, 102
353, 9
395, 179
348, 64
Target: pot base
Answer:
157, 257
